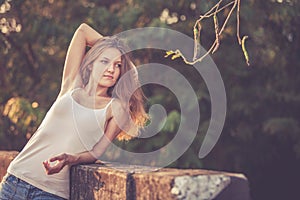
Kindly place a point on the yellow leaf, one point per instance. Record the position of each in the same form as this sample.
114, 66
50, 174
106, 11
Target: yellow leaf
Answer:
175, 56
169, 53
245, 50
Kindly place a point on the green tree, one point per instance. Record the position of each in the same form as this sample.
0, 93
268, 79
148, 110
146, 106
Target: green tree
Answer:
261, 133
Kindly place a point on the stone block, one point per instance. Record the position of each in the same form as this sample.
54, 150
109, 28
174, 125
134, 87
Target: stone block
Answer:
132, 182
5, 158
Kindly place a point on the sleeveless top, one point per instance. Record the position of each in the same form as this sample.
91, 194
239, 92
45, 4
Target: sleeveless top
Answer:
68, 127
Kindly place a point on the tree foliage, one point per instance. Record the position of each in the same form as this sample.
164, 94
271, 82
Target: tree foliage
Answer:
261, 134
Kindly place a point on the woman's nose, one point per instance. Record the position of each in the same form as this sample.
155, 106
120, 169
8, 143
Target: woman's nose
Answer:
110, 68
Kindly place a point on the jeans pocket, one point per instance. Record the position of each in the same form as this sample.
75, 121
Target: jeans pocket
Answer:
7, 188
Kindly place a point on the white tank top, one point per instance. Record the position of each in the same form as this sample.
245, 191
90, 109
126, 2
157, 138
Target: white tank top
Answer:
68, 127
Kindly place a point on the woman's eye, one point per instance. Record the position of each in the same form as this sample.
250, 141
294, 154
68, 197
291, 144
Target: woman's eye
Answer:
104, 61
118, 65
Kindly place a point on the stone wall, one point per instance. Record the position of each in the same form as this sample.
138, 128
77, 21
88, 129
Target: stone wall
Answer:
132, 182
5, 158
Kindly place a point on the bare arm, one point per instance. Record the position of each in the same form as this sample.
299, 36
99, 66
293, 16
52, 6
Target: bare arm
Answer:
111, 131
84, 157
83, 36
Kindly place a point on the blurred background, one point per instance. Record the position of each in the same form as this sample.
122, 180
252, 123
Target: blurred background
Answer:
261, 136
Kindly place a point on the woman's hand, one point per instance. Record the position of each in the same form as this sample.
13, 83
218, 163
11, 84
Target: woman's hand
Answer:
57, 163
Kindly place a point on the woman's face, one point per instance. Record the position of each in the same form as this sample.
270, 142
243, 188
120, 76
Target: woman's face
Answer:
107, 67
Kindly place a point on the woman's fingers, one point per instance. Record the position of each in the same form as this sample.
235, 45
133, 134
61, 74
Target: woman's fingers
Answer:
59, 157
52, 168
45, 163
56, 163
47, 166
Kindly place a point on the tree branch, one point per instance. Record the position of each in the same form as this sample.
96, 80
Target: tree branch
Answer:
213, 48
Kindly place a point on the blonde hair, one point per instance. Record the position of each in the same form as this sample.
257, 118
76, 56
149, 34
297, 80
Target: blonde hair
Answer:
136, 100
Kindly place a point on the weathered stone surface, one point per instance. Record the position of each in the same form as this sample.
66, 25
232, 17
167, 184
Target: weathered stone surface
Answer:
133, 182
169, 183
199, 187
88, 182
5, 158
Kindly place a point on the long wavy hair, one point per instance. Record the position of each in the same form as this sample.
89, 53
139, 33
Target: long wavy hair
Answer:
136, 100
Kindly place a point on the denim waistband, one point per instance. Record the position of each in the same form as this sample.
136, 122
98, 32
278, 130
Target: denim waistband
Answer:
19, 188
13, 179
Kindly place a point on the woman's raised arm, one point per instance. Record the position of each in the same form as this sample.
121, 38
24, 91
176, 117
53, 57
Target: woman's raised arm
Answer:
83, 36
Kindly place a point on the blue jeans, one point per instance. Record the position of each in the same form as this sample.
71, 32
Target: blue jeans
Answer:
13, 188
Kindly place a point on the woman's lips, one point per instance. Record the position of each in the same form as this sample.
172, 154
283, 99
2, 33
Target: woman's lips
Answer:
108, 76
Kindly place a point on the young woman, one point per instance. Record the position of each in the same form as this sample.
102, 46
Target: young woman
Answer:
81, 123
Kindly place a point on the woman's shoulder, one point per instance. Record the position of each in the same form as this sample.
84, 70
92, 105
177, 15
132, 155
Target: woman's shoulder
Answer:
118, 103
117, 107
